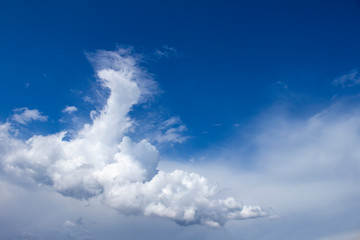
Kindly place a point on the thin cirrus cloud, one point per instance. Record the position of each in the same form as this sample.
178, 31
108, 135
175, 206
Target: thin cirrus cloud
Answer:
171, 130
101, 160
25, 115
348, 80
165, 52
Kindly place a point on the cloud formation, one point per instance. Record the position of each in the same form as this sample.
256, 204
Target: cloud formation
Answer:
69, 109
25, 115
101, 159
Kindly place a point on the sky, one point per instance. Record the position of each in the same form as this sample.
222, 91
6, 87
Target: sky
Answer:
180, 120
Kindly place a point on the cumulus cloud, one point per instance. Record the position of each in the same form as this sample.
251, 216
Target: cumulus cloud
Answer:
69, 109
25, 115
102, 160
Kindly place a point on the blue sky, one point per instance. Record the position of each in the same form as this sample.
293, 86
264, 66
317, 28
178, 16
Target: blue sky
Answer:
259, 97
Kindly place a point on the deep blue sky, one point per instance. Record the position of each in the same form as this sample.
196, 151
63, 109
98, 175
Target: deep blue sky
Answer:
268, 91
233, 58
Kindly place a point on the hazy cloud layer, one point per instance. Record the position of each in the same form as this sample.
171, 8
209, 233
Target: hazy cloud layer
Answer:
102, 160
306, 168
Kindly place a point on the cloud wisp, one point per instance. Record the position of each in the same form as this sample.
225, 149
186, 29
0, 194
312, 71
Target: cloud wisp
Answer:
25, 115
171, 130
101, 160
348, 80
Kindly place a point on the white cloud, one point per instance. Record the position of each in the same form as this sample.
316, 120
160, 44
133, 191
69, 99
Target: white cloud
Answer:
25, 115
101, 160
325, 145
160, 129
69, 109
348, 80
307, 169
171, 131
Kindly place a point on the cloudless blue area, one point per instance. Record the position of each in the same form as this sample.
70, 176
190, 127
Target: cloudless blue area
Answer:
233, 60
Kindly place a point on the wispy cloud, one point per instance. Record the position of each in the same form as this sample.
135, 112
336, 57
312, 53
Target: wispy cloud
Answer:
172, 131
25, 115
348, 80
165, 52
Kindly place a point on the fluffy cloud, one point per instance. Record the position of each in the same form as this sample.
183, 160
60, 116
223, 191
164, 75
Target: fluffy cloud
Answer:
101, 160
25, 115
70, 109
